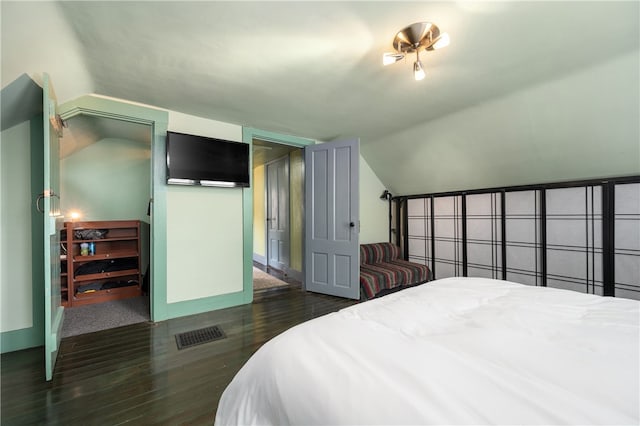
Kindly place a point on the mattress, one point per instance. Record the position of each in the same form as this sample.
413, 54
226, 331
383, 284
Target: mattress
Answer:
452, 351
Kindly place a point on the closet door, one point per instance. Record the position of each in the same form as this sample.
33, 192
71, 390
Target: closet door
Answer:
53, 221
574, 239
627, 240
523, 238
484, 235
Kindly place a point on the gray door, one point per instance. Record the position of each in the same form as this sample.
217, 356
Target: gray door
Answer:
278, 214
332, 217
52, 224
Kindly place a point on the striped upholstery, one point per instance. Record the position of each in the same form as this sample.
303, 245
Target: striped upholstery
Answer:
378, 252
381, 269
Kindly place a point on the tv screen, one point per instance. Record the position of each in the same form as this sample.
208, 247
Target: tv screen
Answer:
197, 160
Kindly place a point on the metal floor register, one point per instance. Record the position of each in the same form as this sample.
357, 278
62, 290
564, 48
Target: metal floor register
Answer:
198, 337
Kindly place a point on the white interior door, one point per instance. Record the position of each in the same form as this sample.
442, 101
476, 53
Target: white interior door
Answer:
278, 245
332, 218
53, 222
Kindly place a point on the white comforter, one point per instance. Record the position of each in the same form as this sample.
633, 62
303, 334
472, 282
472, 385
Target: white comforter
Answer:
453, 351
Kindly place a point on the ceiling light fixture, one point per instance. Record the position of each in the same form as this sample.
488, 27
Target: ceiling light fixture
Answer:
418, 71
416, 37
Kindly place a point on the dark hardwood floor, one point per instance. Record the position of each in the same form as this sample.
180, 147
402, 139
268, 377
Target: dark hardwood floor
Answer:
136, 374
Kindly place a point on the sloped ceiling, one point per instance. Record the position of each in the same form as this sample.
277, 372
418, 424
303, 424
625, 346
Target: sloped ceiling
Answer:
311, 69
83, 130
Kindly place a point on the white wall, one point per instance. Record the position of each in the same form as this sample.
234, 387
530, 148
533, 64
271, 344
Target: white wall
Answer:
31, 47
578, 126
16, 306
204, 227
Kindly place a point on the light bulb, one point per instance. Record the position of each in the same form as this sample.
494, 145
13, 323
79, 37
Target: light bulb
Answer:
418, 71
442, 41
391, 58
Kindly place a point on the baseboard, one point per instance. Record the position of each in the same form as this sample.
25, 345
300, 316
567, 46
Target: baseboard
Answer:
21, 339
296, 275
260, 258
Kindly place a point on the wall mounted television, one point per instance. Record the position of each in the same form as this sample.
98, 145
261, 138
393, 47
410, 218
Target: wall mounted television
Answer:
198, 160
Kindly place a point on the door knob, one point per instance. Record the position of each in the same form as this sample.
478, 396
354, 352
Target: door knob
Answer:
351, 224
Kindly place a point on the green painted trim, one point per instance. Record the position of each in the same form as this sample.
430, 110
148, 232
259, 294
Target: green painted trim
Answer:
248, 135
197, 306
112, 108
158, 258
159, 122
56, 324
37, 228
247, 232
24, 338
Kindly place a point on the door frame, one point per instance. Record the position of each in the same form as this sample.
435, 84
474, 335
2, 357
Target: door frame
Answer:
266, 206
158, 121
248, 135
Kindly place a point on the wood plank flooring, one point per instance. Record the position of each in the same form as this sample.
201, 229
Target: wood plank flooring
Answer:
136, 374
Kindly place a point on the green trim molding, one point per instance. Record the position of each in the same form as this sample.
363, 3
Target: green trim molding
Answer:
158, 121
248, 135
197, 306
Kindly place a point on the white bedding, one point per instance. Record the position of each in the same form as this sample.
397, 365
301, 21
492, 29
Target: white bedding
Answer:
453, 351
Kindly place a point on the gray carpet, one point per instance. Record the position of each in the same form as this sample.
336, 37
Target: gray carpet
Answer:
102, 316
118, 313
262, 280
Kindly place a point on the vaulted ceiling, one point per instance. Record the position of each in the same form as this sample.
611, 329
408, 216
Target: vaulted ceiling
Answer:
311, 69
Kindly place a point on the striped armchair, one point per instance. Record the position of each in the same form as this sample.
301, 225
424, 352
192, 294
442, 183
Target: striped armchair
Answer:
382, 271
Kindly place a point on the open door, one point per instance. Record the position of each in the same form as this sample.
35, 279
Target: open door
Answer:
52, 224
332, 218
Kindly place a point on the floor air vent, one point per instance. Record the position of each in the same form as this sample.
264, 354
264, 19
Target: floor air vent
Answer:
198, 337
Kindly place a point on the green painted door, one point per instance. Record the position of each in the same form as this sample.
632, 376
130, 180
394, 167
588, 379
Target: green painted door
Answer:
53, 221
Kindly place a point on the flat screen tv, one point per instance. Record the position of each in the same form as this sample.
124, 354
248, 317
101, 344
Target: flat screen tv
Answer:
197, 160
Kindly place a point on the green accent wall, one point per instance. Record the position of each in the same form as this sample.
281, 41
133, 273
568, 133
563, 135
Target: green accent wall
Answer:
88, 169
107, 180
22, 253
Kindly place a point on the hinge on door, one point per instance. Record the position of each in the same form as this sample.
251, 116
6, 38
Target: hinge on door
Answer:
57, 123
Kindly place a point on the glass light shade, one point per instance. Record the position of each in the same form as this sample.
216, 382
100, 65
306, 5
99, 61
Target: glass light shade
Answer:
442, 41
418, 71
391, 58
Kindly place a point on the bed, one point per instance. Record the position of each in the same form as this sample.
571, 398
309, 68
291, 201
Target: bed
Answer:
452, 351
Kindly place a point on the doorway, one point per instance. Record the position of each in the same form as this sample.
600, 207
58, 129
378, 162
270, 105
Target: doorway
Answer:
278, 212
106, 182
277, 221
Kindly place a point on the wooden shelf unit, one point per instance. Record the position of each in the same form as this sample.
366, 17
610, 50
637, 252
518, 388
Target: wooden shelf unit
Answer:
117, 260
